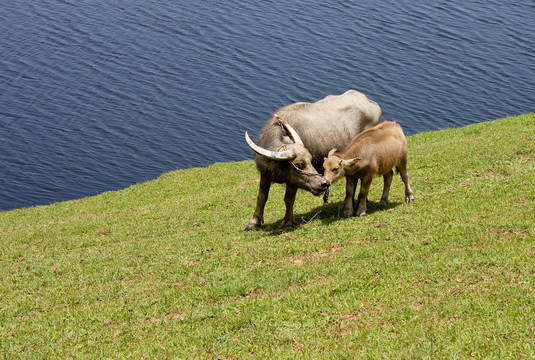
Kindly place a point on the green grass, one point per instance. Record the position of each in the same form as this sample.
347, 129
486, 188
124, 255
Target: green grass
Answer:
163, 269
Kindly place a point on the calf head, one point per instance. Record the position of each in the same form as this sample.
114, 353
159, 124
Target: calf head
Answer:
292, 163
336, 167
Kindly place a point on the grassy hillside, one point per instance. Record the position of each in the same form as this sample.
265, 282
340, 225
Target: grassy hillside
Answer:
163, 269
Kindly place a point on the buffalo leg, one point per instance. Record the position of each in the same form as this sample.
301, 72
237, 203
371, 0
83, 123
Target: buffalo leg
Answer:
347, 204
363, 195
289, 199
356, 182
386, 188
258, 217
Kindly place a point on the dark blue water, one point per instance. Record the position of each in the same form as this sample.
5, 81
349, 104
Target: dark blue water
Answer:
98, 95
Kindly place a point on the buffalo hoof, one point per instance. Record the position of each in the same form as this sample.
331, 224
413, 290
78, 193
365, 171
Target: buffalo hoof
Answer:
382, 203
409, 199
251, 227
254, 224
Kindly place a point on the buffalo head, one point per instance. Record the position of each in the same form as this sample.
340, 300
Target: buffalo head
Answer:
291, 163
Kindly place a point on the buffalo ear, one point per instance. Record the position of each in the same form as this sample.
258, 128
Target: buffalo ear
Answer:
349, 163
331, 152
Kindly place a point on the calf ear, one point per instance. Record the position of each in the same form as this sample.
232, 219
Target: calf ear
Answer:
331, 152
349, 163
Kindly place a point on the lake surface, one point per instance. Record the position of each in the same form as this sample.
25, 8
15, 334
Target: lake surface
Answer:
102, 94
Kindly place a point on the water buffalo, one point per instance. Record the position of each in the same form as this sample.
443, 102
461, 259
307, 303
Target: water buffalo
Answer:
294, 142
372, 153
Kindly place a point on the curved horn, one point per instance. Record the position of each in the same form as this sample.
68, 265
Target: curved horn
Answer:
291, 131
274, 155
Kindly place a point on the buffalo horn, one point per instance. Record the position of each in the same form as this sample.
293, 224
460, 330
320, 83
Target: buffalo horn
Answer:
275, 155
293, 134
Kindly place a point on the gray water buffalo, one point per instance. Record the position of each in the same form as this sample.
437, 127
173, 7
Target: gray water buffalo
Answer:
294, 142
372, 153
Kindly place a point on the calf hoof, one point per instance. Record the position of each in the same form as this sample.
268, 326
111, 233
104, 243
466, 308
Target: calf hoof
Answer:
287, 222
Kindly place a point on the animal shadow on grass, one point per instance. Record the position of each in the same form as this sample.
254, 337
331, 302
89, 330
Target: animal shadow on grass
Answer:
327, 214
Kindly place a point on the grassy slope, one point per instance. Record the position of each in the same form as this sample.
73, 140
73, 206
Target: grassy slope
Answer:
162, 269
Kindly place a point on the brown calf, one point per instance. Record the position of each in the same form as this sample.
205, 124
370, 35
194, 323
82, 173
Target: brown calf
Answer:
374, 152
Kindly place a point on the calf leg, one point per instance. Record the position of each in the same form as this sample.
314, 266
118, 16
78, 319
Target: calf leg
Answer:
347, 204
409, 195
386, 188
289, 199
363, 195
263, 192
